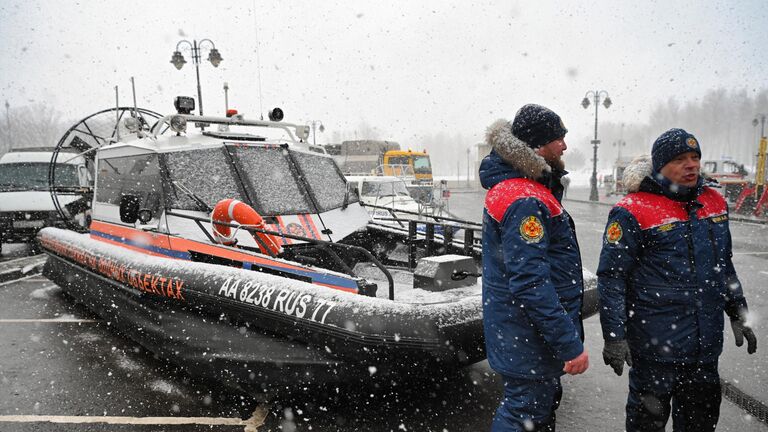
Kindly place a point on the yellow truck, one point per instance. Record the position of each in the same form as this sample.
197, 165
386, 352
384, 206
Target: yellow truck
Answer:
400, 163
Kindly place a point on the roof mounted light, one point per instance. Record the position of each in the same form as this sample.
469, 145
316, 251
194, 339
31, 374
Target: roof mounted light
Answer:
132, 124
302, 132
178, 124
184, 104
275, 114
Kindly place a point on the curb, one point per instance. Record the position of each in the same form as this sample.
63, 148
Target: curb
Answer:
18, 268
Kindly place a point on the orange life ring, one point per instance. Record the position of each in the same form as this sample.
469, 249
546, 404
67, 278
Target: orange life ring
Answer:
228, 210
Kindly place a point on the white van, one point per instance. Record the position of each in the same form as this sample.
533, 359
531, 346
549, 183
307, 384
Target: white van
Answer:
25, 196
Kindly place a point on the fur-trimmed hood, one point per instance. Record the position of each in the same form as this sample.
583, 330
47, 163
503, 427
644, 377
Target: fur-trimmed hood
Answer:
640, 168
513, 152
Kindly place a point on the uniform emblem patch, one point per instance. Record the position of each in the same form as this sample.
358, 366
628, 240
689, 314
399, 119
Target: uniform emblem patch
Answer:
691, 142
613, 233
531, 229
666, 227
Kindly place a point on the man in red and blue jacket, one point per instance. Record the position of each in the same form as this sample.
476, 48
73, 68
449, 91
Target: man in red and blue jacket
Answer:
665, 278
532, 275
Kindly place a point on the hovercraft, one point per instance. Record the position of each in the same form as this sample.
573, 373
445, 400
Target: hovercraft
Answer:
243, 257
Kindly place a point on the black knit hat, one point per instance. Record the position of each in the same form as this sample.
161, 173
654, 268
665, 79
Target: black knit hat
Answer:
537, 125
670, 144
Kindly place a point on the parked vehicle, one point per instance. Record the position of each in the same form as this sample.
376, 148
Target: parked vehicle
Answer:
731, 175
614, 182
25, 193
385, 195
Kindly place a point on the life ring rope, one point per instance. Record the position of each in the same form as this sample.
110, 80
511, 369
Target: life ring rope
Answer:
235, 211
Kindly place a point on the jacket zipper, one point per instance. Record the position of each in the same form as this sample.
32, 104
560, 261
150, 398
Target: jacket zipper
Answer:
689, 239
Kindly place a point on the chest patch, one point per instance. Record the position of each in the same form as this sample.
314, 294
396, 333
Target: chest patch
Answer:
666, 227
531, 229
614, 233
719, 219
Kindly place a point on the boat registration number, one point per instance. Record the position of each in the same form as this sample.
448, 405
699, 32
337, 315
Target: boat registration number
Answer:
28, 224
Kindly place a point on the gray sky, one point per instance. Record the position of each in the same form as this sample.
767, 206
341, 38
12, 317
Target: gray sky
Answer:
406, 68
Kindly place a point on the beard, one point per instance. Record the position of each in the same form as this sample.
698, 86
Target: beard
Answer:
556, 163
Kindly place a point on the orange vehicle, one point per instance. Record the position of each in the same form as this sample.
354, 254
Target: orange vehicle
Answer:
754, 196
730, 174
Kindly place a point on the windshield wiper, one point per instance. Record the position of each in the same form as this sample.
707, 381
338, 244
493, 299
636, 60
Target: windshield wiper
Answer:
202, 205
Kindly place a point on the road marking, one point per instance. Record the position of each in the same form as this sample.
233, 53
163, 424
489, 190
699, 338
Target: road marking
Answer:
46, 320
764, 272
750, 253
251, 424
19, 279
210, 421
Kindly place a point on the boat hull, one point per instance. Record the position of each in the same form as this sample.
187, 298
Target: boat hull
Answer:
258, 330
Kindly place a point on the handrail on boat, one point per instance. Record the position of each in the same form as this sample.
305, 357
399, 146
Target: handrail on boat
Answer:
436, 218
302, 131
251, 229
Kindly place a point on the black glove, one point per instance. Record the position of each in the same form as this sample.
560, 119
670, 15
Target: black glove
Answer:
741, 330
615, 353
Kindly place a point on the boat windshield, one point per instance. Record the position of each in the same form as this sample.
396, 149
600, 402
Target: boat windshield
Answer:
282, 181
206, 173
380, 189
275, 180
34, 176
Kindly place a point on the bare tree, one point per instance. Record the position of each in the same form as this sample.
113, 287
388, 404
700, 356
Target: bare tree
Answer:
31, 126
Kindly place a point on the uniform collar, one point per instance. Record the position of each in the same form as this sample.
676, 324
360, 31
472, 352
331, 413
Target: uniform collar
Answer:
658, 184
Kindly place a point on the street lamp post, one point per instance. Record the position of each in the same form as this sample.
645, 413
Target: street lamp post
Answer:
469, 150
619, 144
755, 121
8, 118
213, 56
596, 95
316, 124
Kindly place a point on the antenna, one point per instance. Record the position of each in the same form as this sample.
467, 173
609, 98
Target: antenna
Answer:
258, 60
133, 88
135, 113
226, 97
117, 115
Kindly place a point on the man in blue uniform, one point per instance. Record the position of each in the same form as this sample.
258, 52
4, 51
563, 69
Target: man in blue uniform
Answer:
665, 278
532, 276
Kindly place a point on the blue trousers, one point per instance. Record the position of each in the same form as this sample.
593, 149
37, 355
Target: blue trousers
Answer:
528, 405
693, 390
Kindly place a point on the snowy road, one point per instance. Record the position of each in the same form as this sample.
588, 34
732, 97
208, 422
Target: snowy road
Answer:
63, 369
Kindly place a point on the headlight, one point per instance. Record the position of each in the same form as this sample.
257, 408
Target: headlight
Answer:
302, 132
178, 124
